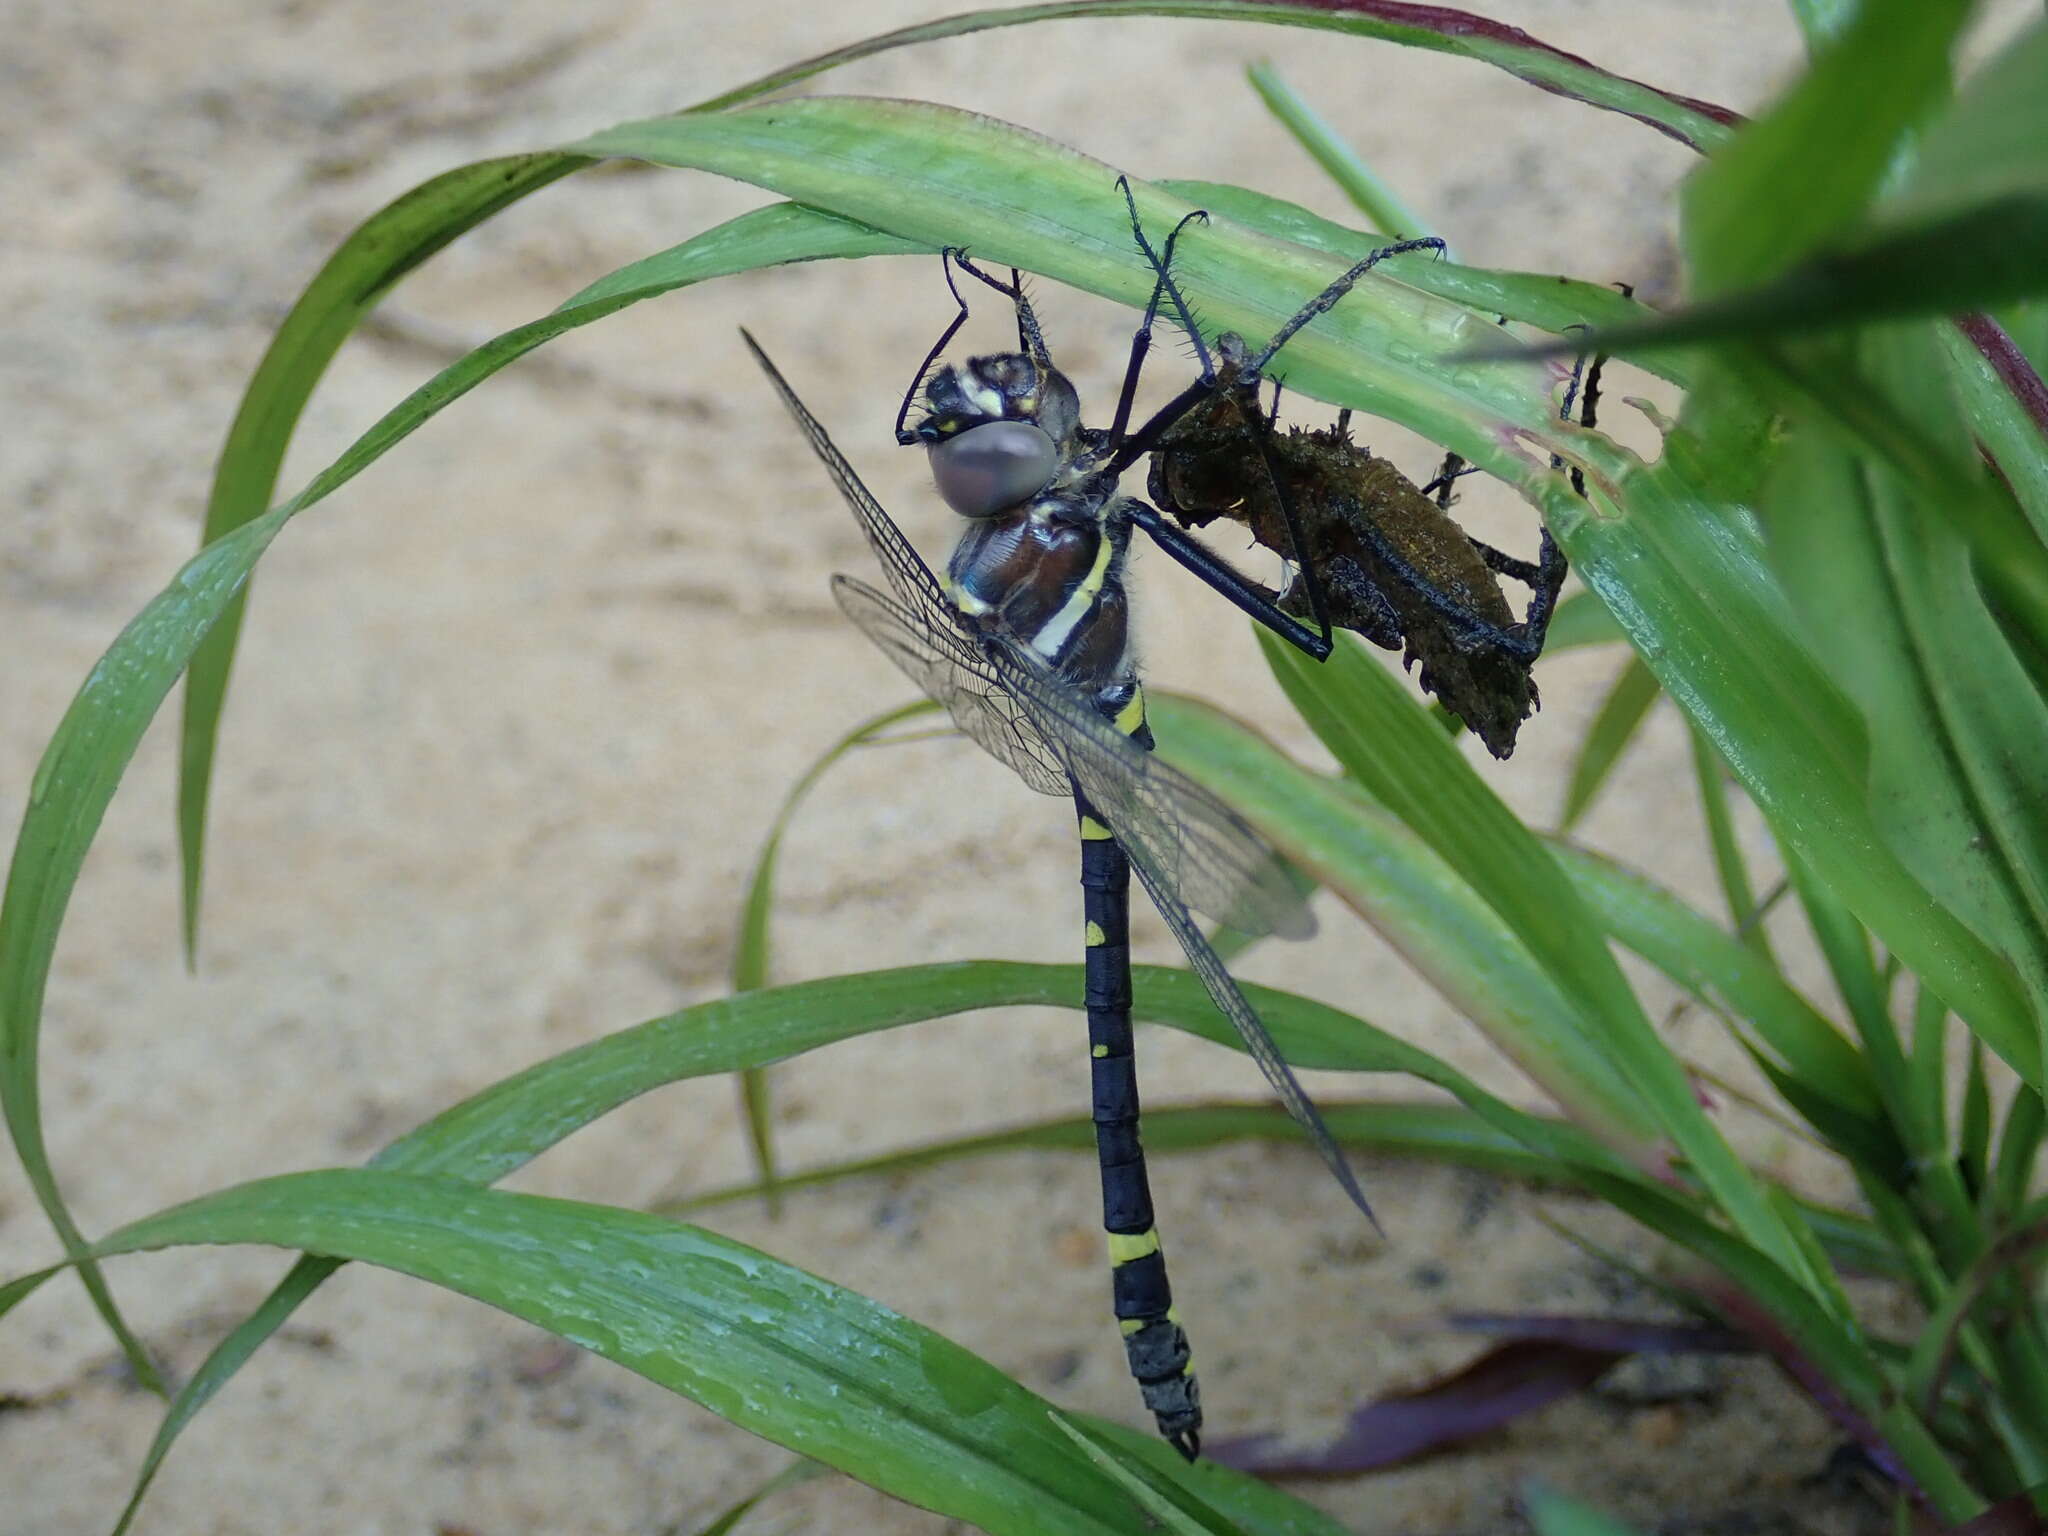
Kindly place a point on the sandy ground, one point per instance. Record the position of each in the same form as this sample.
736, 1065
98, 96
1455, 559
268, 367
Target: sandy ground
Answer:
513, 710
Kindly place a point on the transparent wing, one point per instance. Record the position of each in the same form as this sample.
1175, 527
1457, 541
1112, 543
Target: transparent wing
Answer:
910, 578
954, 672
1193, 847
1208, 965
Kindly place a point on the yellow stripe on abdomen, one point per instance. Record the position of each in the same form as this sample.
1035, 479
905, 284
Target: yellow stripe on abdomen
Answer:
1126, 1246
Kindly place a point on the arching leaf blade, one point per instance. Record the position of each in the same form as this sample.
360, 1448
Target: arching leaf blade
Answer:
369, 262
794, 1358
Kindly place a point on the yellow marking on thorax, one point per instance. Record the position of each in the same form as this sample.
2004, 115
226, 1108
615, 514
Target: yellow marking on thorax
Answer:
965, 600
1098, 1051
1131, 718
1093, 831
1055, 632
1126, 1246
1096, 935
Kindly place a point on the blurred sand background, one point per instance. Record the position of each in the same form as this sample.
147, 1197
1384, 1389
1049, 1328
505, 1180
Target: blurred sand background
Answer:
513, 710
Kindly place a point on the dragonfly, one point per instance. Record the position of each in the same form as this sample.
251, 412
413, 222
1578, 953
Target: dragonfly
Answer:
1026, 644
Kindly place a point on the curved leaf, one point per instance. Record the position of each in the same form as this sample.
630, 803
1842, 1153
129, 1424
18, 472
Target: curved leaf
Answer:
805, 1363
381, 251
1438, 28
1683, 570
74, 782
938, 176
486, 1137
1544, 300
1411, 894
1621, 714
91, 749
1386, 743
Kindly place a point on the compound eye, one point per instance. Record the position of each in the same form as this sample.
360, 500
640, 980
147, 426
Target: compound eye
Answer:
990, 468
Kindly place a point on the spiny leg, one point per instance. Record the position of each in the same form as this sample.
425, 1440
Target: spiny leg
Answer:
1325, 301
1163, 288
947, 256
1030, 340
1550, 561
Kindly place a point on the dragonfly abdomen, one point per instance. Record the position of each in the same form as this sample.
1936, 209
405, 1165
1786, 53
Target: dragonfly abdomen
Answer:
1155, 1344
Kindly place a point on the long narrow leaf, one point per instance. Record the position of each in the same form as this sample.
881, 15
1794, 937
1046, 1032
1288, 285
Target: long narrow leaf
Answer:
1420, 903
1621, 715
497, 1131
98, 735
1384, 208
802, 1362
76, 779
1384, 741
751, 950
1810, 166
1683, 571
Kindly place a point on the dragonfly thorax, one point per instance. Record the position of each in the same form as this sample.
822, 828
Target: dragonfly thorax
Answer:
1049, 575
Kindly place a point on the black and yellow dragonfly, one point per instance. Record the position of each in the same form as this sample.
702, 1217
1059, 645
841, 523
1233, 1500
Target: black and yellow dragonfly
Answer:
1026, 644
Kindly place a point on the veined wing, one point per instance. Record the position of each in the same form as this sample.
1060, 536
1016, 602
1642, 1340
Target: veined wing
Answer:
908, 575
952, 670
1193, 847
1208, 965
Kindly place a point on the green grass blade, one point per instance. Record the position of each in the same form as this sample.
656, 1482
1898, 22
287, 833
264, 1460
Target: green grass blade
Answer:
794, 1475
751, 954
1810, 166
752, 951
936, 176
1544, 300
1383, 207
1621, 715
1257, 1507
1737, 890
1726, 975
1386, 743
1683, 570
378, 253
2019, 1148
1901, 597
1441, 1133
67, 799
488, 1136
1971, 259
355, 278
1446, 1133
1440, 29
802, 1362
1973, 1133
1929, 1061
219, 1368
2012, 434
1411, 894
1167, 1512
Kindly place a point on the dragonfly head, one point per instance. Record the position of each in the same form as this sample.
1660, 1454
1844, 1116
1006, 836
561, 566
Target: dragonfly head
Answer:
998, 431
